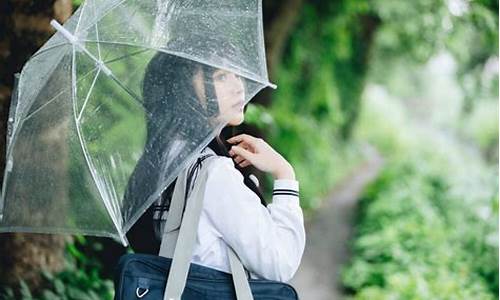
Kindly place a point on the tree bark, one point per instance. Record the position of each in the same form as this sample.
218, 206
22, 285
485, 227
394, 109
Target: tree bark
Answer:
280, 18
279, 24
26, 27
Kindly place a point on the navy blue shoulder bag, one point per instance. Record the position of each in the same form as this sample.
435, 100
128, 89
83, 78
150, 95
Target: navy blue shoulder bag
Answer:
171, 275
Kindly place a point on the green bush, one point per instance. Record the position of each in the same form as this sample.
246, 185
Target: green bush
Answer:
80, 280
419, 238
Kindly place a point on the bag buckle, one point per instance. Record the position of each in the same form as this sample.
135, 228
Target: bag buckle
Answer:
140, 294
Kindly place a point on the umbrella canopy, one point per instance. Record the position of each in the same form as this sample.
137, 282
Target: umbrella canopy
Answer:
118, 102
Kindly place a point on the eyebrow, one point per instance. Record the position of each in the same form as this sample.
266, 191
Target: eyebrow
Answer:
220, 71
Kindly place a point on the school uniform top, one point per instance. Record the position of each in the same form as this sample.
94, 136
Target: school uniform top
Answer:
269, 241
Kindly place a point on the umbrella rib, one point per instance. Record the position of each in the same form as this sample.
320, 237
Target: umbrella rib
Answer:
88, 95
128, 19
112, 190
97, 33
43, 105
84, 5
53, 98
121, 57
126, 89
99, 62
125, 56
86, 154
106, 13
196, 12
193, 58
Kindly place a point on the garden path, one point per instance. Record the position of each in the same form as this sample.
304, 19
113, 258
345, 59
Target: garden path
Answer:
329, 231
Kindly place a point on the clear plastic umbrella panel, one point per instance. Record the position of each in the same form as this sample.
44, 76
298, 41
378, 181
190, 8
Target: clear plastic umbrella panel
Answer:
118, 102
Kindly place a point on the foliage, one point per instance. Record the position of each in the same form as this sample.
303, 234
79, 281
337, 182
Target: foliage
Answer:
80, 280
324, 71
428, 226
481, 127
416, 241
314, 108
288, 133
415, 31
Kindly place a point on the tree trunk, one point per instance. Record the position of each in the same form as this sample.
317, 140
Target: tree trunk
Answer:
280, 18
25, 25
362, 45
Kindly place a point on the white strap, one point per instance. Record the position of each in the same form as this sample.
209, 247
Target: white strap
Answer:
241, 286
185, 244
171, 228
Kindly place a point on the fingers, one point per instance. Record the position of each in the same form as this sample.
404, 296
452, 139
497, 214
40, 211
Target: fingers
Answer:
238, 159
241, 137
245, 154
244, 164
243, 149
241, 161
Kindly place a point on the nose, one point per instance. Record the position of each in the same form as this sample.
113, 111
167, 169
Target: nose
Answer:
237, 83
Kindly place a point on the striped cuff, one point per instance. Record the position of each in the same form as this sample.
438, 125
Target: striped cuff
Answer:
286, 191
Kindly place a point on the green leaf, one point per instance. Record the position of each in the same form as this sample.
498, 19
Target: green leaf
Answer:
25, 291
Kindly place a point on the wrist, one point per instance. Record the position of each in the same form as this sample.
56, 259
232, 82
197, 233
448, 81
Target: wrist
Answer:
285, 172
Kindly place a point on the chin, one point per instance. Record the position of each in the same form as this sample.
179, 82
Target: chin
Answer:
236, 122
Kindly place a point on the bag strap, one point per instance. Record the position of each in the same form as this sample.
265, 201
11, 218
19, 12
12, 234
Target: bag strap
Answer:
171, 227
170, 230
240, 281
179, 243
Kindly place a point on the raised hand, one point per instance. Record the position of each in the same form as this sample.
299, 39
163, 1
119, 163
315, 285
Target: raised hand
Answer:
248, 150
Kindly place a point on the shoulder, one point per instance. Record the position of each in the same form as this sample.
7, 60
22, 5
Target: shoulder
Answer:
223, 176
222, 166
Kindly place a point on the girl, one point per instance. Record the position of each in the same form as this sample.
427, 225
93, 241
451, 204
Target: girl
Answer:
268, 238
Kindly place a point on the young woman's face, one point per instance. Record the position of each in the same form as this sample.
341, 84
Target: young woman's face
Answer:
230, 92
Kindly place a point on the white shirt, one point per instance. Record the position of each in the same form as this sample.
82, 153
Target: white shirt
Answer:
268, 240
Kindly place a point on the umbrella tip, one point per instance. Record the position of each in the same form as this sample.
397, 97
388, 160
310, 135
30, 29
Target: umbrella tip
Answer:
124, 240
54, 23
70, 37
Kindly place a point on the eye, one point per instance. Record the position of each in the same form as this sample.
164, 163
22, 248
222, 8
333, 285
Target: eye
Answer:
221, 76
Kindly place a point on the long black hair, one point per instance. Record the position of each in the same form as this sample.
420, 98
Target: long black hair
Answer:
169, 94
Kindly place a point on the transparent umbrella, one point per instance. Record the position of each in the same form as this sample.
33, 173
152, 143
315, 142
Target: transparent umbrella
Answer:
118, 102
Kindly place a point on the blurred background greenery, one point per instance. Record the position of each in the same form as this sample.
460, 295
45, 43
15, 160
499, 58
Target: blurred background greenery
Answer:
416, 79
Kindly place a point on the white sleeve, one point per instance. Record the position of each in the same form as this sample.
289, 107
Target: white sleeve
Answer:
269, 241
